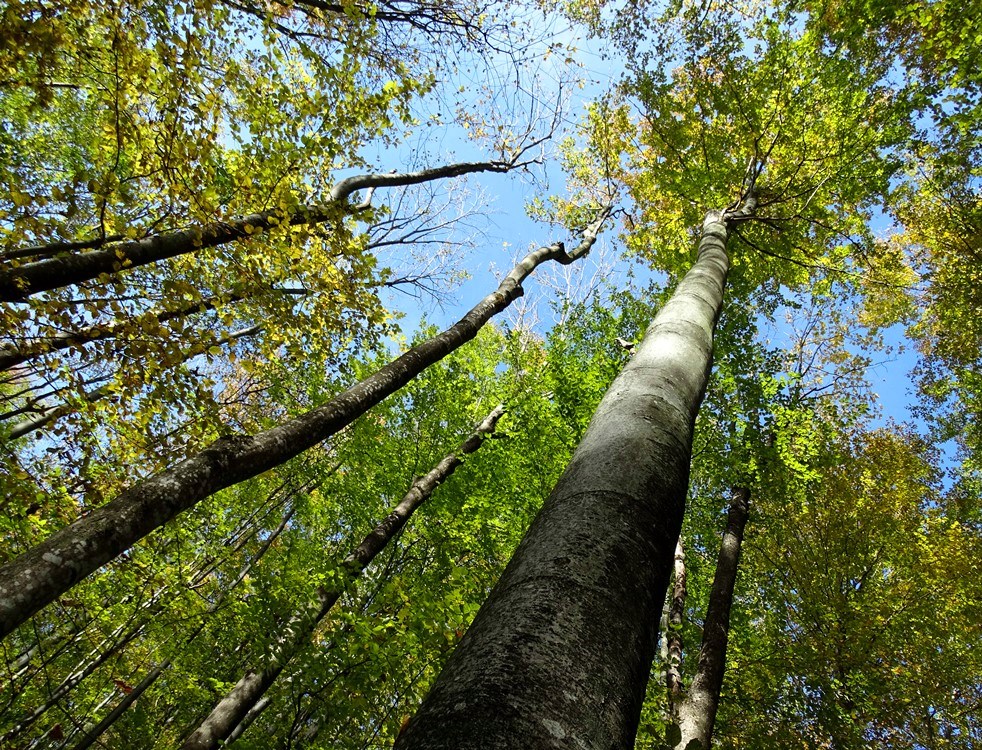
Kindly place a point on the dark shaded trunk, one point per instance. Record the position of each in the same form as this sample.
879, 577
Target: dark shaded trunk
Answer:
233, 709
697, 713
559, 654
17, 283
673, 634
40, 575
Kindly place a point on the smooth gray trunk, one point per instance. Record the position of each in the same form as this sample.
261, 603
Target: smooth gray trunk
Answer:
17, 283
40, 575
559, 655
234, 708
697, 713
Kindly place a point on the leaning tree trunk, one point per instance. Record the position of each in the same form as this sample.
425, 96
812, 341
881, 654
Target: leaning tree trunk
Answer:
39, 576
697, 714
17, 283
559, 654
247, 692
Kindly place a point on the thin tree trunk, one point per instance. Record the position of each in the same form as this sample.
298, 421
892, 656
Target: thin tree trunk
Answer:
234, 707
82, 671
40, 575
247, 720
673, 635
13, 356
559, 654
52, 413
697, 713
17, 283
152, 676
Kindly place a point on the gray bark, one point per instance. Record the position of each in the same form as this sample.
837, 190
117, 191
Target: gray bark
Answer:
40, 575
246, 722
559, 654
17, 283
673, 635
697, 713
233, 709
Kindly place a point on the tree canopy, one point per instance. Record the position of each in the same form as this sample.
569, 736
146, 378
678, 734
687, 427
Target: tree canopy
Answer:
252, 495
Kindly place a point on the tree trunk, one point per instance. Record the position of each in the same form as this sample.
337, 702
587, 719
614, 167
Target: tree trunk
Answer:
17, 283
154, 674
40, 575
673, 635
247, 692
698, 712
559, 654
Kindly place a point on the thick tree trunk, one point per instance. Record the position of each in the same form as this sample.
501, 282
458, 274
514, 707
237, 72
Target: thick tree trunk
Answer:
17, 283
698, 712
37, 577
233, 709
559, 655
673, 635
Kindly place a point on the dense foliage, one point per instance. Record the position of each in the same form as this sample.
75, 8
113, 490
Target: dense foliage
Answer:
190, 158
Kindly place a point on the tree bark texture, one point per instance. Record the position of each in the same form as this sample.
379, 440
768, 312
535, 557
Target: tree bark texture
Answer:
697, 713
233, 709
673, 635
17, 283
559, 655
37, 577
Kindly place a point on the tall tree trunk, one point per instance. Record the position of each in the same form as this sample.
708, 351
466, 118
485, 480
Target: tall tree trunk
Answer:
247, 692
559, 654
17, 283
40, 575
673, 635
698, 711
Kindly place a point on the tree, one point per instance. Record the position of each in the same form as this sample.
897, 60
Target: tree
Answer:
791, 127
244, 697
602, 544
51, 568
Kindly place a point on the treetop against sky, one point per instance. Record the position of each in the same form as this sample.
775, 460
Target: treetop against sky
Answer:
711, 233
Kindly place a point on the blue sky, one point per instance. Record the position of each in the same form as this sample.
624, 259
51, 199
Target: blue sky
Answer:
501, 232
